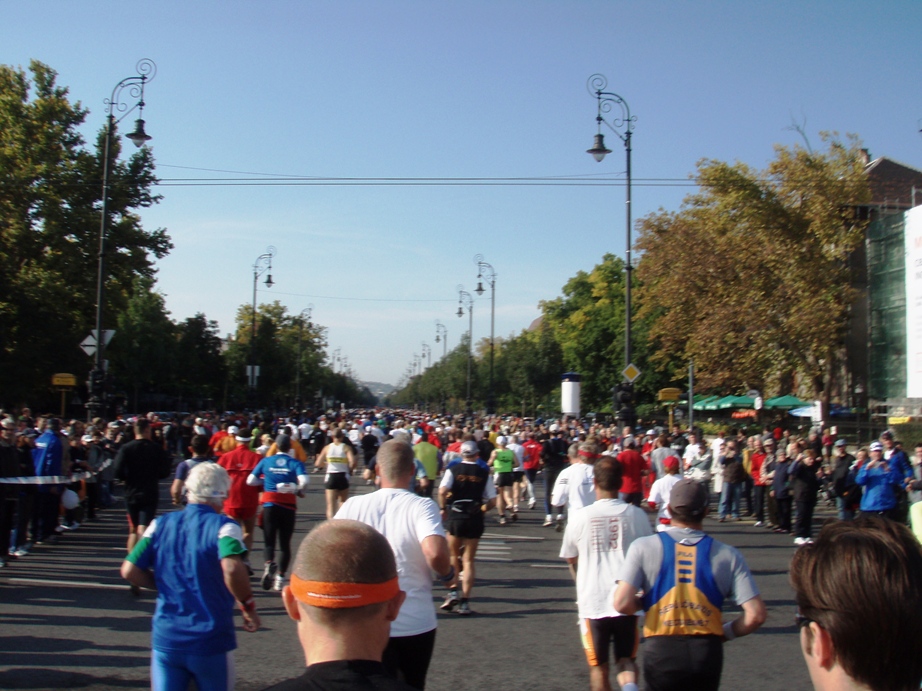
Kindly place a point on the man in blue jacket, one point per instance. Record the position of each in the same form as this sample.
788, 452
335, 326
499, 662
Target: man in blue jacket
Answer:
881, 481
48, 457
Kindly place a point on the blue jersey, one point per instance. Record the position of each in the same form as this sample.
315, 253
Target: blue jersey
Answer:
280, 469
195, 610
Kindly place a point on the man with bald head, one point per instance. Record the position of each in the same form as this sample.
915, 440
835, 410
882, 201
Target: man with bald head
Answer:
413, 527
344, 607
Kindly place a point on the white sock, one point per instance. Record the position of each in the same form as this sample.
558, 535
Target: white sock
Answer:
548, 517
560, 517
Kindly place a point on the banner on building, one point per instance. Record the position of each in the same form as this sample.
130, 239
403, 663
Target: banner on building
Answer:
913, 235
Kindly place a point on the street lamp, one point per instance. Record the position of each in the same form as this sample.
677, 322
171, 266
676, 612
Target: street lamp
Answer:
262, 264
606, 102
441, 332
146, 70
465, 299
305, 314
427, 350
485, 272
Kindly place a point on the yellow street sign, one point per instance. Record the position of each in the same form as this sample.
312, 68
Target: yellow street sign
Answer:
669, 394
64, 379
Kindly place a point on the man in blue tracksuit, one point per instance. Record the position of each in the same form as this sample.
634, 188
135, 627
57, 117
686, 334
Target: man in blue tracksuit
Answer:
48, 457
880, 481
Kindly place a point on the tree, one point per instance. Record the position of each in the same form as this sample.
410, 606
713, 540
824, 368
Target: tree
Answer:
50, 189
200, 371
751, 277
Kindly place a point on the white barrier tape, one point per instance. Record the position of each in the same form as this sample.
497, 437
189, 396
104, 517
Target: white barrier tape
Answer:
54, 479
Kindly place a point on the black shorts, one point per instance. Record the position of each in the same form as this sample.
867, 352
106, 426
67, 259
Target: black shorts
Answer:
518, 475
337, 481
674, 663
599, 634
504, 480
467, 526
141, 514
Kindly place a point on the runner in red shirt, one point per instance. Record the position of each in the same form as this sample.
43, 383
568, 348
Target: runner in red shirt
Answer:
242, 500
531, 464
634, 468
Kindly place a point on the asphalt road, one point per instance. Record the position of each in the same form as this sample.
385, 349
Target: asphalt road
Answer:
67, 620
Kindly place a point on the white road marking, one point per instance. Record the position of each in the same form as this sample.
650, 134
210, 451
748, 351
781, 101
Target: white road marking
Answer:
506, 536
72, 584
548, 566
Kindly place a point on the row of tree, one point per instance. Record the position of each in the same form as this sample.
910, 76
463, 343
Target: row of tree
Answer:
50, 208
750, 280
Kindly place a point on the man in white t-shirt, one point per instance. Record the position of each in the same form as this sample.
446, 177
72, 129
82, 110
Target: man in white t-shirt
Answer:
659, 492
693, 450
413, 527
594, 545
574, 487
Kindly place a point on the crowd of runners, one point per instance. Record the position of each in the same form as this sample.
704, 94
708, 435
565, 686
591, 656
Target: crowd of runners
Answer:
439, 482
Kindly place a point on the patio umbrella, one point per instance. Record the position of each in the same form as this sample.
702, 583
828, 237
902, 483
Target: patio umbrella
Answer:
787, 401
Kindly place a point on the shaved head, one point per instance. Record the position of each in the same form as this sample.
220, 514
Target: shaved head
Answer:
395, 461
345, 551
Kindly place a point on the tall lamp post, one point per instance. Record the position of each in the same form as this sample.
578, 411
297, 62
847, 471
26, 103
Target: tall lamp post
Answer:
486, 273
262, 264
305, 314
441, 333
465, 299
623, 126
131, 88
427, 352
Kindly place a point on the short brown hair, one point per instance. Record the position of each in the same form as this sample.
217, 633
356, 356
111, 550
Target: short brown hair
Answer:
607, 473
861, 581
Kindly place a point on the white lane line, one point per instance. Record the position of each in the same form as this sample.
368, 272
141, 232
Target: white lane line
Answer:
82, 584
506, 536
479, 558
548, 566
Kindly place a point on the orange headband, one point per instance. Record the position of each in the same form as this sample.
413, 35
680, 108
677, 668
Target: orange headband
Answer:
588, 454
342, 595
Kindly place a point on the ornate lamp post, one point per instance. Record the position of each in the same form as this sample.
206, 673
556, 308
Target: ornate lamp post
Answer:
262, 264
131, 88
623, 126
465, 299
441, 332
305, 314
485, 272
427, 352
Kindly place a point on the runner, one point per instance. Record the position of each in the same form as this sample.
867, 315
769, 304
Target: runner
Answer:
141, 464
684, 630
502, 461
518, 472
594, 546
339, 460
343, 608
660, 491
414, 530
242, 500
201, 453
283, 479
465, 494
193, 558
574, 488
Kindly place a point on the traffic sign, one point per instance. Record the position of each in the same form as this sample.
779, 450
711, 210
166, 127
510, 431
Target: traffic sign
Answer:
669, 394
63, 379
631, 372
90, 343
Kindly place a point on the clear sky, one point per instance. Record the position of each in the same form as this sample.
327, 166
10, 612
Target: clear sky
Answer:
436, 89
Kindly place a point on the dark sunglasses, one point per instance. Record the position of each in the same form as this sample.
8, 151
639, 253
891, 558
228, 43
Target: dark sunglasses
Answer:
801, 620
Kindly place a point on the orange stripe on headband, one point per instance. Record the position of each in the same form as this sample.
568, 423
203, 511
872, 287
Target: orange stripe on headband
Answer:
342, 595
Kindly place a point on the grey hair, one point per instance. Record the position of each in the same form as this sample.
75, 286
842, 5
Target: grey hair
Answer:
206, 483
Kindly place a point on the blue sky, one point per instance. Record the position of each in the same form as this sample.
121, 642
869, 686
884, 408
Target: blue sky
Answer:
477, 89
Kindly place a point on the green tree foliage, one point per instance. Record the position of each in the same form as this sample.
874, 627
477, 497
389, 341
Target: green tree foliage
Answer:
750, 278
200, 371
50, 190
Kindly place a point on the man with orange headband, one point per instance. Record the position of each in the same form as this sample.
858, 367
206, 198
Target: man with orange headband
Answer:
413, 527
344, 608
574, 488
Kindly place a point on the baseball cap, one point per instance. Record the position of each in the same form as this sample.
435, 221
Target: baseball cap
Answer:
689, 496
840, 442
8, 424
671, 462
886, 434
233, 429
469, 448
501, 441
876, 446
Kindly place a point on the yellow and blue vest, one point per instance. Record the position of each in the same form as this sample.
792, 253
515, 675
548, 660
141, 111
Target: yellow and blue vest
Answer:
684, 599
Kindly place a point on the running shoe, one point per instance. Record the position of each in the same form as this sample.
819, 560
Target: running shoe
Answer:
279, 583
514, 516
548, 521
464, 608
800, 541
23, 551
531, 504
502, 520
268, 579
758, 524
451, 601
559, 526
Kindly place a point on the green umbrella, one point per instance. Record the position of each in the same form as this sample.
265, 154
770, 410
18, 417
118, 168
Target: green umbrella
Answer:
719, 403
786, 402
701, 404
